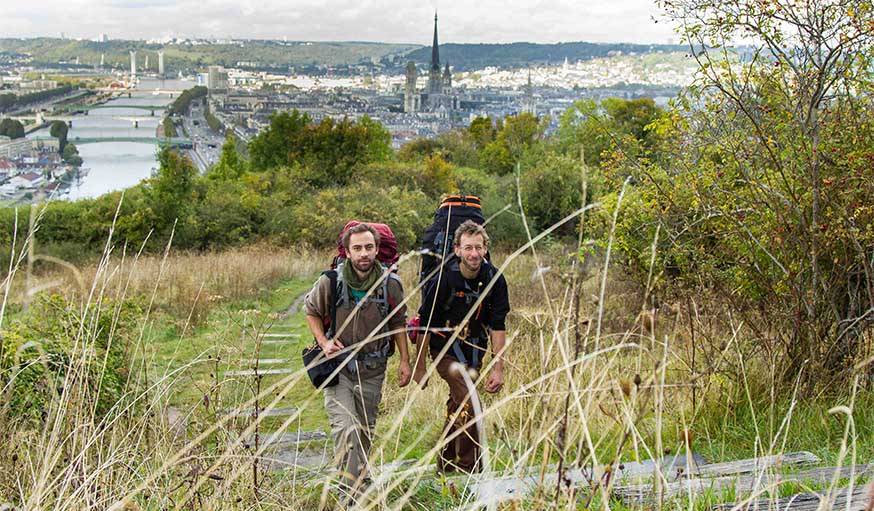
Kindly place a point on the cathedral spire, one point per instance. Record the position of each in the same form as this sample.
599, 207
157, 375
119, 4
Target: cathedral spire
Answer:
435, 53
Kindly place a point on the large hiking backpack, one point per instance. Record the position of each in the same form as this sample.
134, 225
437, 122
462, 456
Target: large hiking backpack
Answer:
388, 244
437, 242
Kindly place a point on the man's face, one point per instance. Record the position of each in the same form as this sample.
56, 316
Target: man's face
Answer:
362, 251
471, 250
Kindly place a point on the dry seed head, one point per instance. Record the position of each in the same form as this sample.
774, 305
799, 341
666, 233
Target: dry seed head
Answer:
625, 385
688, 438
647, 320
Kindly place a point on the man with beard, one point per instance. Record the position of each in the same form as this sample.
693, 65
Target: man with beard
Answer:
352, 403
448, 299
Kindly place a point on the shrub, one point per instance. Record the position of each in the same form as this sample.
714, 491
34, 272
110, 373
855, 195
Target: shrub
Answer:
319, 221
57, 337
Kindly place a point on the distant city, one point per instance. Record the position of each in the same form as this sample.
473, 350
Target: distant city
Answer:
388, 83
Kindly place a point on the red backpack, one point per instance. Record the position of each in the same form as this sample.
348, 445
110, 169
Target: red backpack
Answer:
388, 244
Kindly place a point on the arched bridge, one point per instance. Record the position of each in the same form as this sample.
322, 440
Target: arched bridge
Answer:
182, 143
153, 108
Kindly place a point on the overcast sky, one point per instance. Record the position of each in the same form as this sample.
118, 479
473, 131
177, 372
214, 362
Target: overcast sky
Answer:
403, 21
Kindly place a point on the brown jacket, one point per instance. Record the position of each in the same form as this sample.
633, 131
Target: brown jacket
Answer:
368, 316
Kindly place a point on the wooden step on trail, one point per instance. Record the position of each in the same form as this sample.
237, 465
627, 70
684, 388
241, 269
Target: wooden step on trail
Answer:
279, 341
778, 461
857, 498
261, 372
269, 361
308, 451
278, 440
494, 490
273, 412
294, 457
742, 483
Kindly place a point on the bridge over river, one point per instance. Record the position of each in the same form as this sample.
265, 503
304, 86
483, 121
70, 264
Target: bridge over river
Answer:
179, 142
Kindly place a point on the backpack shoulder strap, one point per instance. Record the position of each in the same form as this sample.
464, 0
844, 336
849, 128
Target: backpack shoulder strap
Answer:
388, 303
332, 279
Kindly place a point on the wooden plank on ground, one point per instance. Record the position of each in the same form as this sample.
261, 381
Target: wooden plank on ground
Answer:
285, 439
279, 341
499, 489
844, 499
779, 461
268, 361
261, 372
273, 412
638, 494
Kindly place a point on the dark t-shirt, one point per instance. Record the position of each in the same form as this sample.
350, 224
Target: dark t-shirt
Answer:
448, 298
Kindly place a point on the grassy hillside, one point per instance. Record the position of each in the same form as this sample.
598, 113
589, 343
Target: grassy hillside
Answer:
255, 53
587, 379
464, 57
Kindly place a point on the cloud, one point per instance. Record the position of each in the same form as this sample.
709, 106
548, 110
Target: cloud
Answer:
341, 20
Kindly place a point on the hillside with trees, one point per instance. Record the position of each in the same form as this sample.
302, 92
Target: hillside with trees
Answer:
279, 55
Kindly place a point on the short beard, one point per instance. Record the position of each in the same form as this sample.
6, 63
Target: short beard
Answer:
467, 266
363, 270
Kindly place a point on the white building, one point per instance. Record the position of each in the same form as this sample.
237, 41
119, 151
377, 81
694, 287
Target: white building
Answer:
15, 148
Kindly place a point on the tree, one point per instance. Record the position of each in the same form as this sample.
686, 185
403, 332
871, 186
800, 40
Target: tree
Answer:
483, 131
282, 142
182, 104
11, 128
229, 166
596, 129
169, 191
328, 151
59, 130
378, 140
765, 197
551, 189
518, 134
71, 155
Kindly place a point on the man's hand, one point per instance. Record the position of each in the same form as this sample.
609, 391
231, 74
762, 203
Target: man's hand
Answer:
329, 347
495, 381
404, 373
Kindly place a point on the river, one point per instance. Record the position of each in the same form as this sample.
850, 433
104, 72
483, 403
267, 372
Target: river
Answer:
118, 165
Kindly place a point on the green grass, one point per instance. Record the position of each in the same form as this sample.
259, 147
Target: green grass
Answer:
725, 431
228, 340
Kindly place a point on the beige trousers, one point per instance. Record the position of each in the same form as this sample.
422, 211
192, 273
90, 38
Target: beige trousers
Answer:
352, 406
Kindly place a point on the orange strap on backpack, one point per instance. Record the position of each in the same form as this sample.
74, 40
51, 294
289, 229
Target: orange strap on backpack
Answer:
461, 200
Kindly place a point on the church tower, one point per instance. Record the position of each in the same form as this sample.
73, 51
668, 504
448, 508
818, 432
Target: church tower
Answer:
435, 85
447, 80
410, 94
528, 105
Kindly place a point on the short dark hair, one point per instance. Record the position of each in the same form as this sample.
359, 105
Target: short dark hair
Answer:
357, 229
471, 228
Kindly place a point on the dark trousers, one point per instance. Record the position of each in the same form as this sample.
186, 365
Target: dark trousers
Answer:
463, 451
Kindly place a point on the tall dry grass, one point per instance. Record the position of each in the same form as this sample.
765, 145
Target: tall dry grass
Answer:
594, 376
183, 284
